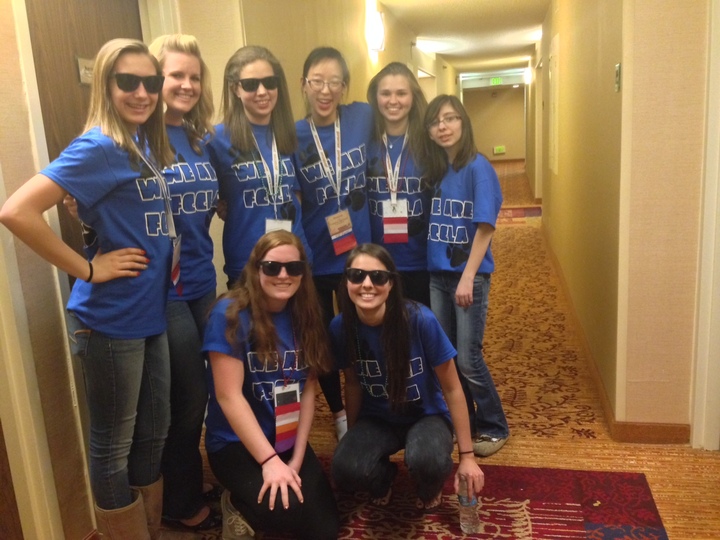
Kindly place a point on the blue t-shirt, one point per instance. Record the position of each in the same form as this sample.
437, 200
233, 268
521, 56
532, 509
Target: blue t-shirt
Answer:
193, 193
429, 348
121, 200
463, 199
319, 199
244, 186
412, 255
260, 380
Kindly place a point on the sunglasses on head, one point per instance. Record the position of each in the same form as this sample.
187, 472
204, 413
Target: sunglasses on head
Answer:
252, 84
357, 276
127, 82
273, 268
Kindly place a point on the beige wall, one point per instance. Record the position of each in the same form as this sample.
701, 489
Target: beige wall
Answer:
498, 119
621, 214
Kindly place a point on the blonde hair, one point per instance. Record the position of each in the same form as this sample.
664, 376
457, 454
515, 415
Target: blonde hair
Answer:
104, 115
199, 121
237, 125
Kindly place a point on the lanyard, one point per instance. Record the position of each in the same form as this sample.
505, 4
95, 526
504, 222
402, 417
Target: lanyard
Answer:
393, 173
165, 191
273, 177
336, 182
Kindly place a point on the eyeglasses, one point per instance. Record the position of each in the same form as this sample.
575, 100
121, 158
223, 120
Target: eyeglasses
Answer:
357, 276
127, 82
448, 120
251, 84
273, 268
319, 84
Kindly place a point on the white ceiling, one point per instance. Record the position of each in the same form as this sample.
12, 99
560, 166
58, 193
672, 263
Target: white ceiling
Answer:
475, 35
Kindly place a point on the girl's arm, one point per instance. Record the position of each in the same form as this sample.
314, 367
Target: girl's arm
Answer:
455, 399
23, 212
464, 291
353, 395
228, 376
307, 412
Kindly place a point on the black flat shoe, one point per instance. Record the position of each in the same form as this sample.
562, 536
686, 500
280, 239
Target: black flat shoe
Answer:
212, 521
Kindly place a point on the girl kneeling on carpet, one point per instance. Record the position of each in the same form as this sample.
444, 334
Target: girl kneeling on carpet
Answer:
266, 344
394, 387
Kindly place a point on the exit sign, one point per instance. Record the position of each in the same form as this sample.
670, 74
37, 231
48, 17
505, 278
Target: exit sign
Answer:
495, 81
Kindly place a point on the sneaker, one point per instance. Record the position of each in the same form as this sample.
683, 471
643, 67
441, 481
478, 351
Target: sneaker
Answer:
485, 445
234, 525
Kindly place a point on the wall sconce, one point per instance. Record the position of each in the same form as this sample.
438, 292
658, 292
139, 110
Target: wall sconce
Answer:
375, 31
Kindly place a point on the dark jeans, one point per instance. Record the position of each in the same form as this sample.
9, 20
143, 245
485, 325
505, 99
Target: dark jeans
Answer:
362, 457
182, 466
314, 519
330, 383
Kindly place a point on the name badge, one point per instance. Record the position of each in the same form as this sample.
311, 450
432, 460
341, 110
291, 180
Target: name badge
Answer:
287, 416
278, 225
340, 228
395, 221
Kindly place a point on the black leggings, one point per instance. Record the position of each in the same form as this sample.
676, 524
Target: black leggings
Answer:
315, 519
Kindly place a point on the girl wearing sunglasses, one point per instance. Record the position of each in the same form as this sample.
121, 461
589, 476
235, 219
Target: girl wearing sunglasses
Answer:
193, 189
460, 260
116, 311
399, 196
252, 153
266, 347
331, 166
399, 375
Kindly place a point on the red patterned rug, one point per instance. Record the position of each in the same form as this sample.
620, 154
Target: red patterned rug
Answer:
517, 503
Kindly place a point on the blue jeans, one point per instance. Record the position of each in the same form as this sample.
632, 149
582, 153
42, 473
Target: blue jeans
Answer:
466, 327
127, 383
182, 466
362, 457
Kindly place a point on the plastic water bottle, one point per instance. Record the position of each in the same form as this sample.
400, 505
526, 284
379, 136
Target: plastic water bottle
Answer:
469, 519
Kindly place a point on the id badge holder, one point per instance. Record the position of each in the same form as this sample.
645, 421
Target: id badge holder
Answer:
175, 268
340, 228
395, 221
287, 416
278, 225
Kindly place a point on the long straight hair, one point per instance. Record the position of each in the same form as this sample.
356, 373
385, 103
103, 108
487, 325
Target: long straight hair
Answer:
247, 293
395, 334
435, 159
199, 121
236, 121
103, 114
416, 115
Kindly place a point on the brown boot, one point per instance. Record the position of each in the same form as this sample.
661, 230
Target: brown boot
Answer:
153, 497
123, 523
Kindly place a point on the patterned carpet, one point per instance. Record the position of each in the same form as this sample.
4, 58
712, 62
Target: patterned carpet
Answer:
552, 406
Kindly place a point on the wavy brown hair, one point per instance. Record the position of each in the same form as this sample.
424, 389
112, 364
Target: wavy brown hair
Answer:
435, 159
199, 121
395, 334
103, 114
237, 125
304, 307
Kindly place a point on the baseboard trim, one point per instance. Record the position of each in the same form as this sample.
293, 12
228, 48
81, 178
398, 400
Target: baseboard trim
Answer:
626, 432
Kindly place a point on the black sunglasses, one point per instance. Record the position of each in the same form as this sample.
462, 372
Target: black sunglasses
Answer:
357, 276
252, 84
272, 268
127, 82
